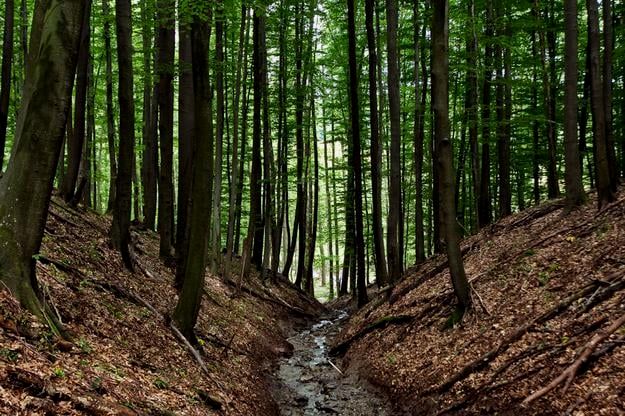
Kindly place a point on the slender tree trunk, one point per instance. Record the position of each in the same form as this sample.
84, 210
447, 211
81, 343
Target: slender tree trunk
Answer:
608, 80
76, 145
503, 140
331, 230
484, 203
535, 123
165, 63
25, 192
120, 229
5, 74
381, 272
574, 189
471, 102
602, 170
219, 84
440, 106
188, 306
394, 249
110, 112
234, 178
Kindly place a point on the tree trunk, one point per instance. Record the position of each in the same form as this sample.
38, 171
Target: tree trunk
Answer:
602, 170
110, 112
574, 189
219, 137
484, 203
188, 306
440, 106
381, 272
186, 114
608, 80
165, 63
394, 248
120, 229
5, 74
471, 102
234, 177
76, 145
25, 192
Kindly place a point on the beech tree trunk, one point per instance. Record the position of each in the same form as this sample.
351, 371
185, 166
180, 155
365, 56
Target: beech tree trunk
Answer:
602, 170
395, 202
25, 192
165, 63
440, 106
5, 74
110, 112
574, 189
120, 229
381, 273
76, 145
188, 306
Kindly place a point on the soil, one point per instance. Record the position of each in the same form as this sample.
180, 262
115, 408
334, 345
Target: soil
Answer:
310, 382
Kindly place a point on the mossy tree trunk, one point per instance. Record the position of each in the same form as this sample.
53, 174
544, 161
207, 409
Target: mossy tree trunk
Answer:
26, 187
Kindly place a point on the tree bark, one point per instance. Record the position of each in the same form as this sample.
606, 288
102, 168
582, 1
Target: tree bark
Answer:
395, 203
440, 106
75, 146
165, 63
381, 272
188, 306
574, 189
25, 192
5, 74
484, 203
120, 229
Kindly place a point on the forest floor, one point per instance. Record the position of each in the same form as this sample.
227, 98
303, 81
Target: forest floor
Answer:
123, 357
548, 319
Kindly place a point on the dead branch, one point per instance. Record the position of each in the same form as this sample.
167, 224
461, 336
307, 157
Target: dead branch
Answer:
485, 359
379, 324
569, 373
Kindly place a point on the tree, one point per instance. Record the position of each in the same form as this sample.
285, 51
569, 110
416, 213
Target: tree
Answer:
165, 64
381, 272
361, 285
25, 192
440, 105
76, 144
574, 189
602, 170
394, 248
110, 111
189, 301
120, 228
5, 74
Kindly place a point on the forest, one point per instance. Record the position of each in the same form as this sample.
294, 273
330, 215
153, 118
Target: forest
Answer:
325, 161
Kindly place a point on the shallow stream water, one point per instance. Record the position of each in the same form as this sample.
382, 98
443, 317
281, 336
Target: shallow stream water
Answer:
310, 382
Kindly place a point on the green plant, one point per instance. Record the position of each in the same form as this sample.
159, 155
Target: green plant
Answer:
9, 355
160, 383
58, 372
84, 346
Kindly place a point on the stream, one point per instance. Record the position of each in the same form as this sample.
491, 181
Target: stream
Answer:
310, 382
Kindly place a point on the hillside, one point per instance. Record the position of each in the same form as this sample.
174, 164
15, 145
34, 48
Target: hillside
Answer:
123, 357
543, 285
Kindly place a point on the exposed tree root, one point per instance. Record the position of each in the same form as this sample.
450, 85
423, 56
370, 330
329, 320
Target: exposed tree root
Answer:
570, 372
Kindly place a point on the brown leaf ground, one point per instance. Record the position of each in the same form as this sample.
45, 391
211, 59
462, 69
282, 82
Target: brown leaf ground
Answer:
520, 267
123, 358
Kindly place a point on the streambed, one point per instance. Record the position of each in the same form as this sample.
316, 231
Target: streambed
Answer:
310, 382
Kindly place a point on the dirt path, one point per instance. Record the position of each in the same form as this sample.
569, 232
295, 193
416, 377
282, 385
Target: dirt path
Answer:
308, 384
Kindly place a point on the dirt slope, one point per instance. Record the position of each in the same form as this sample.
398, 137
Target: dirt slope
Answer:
124, 358
544, 285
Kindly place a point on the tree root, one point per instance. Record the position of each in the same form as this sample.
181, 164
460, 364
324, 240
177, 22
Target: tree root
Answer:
570, 372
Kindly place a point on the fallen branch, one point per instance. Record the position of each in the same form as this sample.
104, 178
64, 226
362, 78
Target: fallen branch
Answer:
570, 372
190, 347
379, 324
503, 346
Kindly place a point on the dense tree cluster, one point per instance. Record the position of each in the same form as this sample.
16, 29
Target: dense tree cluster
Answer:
321, 140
